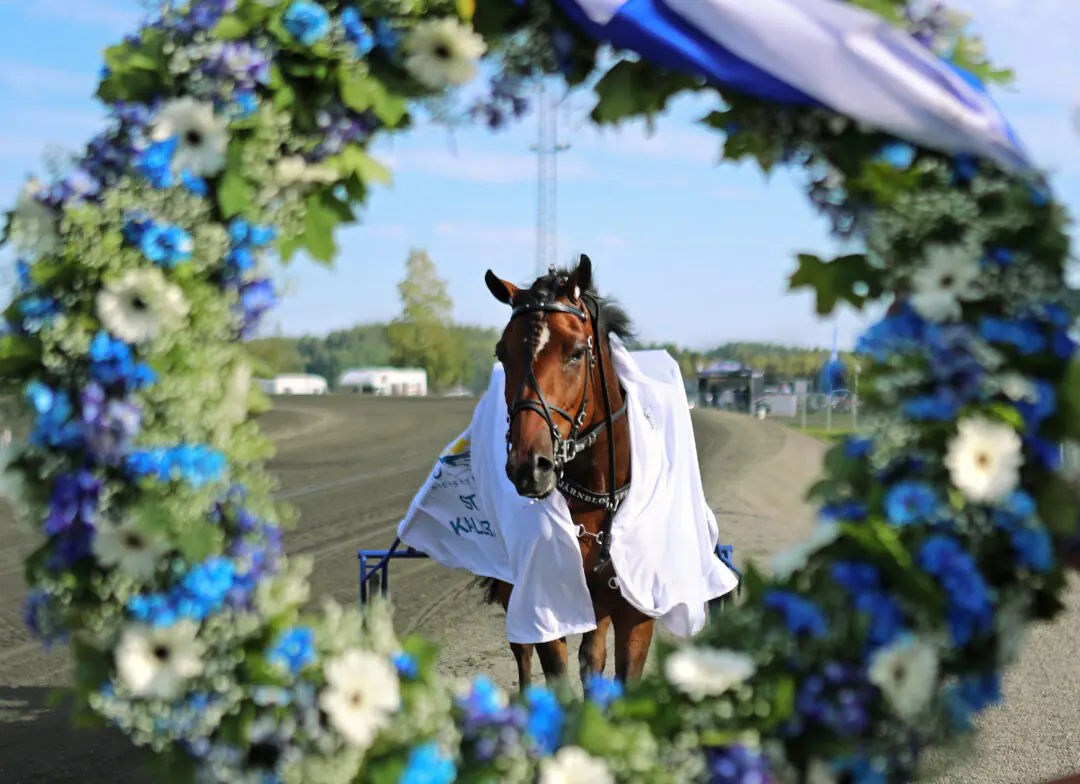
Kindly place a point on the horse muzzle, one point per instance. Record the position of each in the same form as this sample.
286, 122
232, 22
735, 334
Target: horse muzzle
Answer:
533, 475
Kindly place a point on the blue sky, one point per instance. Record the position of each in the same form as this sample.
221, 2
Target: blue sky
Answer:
699, 254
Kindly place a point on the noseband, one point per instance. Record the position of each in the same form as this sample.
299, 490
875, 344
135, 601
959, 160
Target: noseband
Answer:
566, 449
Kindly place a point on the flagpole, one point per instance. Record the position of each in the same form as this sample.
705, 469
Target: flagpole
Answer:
829, 370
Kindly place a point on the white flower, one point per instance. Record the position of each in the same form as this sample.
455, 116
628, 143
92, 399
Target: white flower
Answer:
202, 137
707, 672
786, 562
819, 772
947, 279
157, 662
984, 459
141, 305
443, 52
361, 694
294, 169
33, 224
574, 765
906, 672
1016, 387
127, 548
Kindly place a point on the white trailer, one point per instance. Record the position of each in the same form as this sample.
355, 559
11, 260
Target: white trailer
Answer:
294, 384
385, 382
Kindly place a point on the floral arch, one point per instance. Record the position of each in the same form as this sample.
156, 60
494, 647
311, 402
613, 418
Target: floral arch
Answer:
238, 134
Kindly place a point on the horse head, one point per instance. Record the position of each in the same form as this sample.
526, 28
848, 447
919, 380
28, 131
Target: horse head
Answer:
549, 351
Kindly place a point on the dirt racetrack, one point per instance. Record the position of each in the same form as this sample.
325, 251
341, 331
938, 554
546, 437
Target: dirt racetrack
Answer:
352, 466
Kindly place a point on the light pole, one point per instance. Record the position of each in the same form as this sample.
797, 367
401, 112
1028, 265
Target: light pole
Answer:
547, 149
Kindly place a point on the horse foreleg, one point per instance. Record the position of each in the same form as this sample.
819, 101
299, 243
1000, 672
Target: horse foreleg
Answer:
523, 654
633, 636
592, 655
553, 658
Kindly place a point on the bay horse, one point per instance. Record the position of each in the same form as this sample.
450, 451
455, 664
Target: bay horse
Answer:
567, 432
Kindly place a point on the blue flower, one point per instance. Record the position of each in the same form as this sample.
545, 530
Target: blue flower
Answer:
1000, 257
970, 610
545, 719
193, 184
201, 593
237, 262
860, 770
801, 615
196, 464
306, 21
897, 154
942, 406
293, 649
386, 36
112, 363
356, 32
965, 167
484, 700
855, 577
1017, 508
602, 691
737, 765
970, 695
1023, 335
55, 426
1034, 549
406, 665
886, 619
155, 162
154, 609
256, 297
166, 246
42, 620
427, 764
248, 235
856, 448
911, 502
1036, 411
899, 331
1048, 453
838, 698
37, 311
23, 275
245, 104
847, 511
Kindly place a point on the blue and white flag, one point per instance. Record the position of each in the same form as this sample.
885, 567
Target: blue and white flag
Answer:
815, 53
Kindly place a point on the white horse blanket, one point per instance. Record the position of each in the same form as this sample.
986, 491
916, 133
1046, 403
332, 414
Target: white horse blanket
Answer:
469, 516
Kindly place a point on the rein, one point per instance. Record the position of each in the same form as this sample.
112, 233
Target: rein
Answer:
566, 449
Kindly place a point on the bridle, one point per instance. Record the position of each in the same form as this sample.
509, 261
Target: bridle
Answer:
566, 449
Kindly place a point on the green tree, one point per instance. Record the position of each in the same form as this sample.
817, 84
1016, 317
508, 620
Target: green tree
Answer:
423, 336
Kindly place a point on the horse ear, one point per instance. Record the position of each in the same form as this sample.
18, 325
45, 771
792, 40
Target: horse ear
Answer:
500, 289
581, 278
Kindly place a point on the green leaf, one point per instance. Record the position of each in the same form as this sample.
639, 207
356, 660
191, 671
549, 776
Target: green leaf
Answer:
17, 353
353, 160
837, 280
466, 9
1055, 498
494, 18
234, 193
594, 732
1007, 414
231, 27
198, 541
355, 88
323, 215
631, 89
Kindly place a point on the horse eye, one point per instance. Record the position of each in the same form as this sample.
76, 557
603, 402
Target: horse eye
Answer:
578, 355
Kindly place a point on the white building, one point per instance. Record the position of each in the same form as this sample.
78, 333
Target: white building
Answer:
407, 382
294, 384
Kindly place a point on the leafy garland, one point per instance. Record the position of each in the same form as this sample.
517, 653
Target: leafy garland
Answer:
239, 132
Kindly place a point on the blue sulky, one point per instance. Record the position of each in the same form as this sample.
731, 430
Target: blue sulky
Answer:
374, 562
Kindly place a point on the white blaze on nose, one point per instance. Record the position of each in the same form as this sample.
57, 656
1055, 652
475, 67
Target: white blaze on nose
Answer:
542, 338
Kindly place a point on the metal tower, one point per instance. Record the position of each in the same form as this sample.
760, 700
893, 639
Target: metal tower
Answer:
547, 149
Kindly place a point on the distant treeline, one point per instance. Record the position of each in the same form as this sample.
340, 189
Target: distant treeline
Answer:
368, 345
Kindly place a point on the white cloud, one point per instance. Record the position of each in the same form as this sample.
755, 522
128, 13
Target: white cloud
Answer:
488, 235
21, 76
485, 167
632, 140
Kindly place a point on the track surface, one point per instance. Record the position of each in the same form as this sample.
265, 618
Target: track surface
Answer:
352, 466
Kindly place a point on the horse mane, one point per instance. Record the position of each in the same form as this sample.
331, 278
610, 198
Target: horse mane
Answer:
612, 318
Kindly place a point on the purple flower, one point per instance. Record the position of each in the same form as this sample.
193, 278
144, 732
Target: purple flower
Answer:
73, 502
837, 698
108, 425
737, 765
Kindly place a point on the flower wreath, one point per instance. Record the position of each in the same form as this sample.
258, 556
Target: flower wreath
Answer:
238, 131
